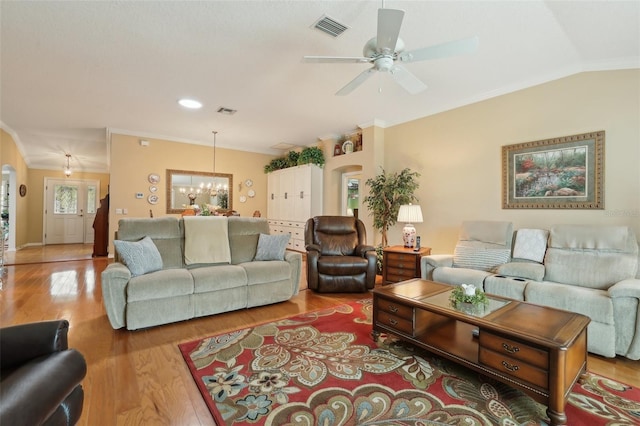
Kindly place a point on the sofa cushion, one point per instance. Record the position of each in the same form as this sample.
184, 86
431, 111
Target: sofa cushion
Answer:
260, 272
529, 270
510, 287
457, 276
530, 244
487, 231
141, 257
206, 240
219, 277
336, 235
243, 237
342, 265
272, 247
160, 285
591, 256
596, 304
165, 232
466, 255
608, 238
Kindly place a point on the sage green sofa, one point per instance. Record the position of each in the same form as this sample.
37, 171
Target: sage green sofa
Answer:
591, 270
182, 290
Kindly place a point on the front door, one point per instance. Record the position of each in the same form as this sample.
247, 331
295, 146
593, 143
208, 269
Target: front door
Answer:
70, 209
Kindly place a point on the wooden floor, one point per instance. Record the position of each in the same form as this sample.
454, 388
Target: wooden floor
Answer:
139, 377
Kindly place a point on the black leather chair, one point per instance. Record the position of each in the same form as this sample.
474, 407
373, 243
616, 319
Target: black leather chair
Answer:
338, 257
39, 376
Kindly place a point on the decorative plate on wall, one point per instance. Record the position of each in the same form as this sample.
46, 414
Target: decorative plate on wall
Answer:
154, 178
153, 188
152, 199
23, 190
243, 199
251, 193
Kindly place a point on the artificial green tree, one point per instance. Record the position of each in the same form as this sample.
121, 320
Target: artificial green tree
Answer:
387, 192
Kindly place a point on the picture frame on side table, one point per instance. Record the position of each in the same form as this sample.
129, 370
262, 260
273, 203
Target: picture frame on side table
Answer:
559, 173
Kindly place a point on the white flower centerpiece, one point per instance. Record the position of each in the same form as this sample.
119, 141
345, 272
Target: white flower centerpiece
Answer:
468, 293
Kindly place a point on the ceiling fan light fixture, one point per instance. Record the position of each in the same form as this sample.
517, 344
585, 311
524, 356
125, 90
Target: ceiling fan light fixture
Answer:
190, 103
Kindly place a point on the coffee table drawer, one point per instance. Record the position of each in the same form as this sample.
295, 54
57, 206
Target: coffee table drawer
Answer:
396, 309
401, 325
514, 368
514, 349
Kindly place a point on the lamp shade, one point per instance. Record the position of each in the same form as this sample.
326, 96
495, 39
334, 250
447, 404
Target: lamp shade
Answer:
410, 213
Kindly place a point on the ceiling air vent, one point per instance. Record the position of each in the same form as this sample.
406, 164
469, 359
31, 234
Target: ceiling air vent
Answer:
330, 26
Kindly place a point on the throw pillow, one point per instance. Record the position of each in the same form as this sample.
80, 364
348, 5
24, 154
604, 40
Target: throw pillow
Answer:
141, 257
272, 247
483, 259
531, 244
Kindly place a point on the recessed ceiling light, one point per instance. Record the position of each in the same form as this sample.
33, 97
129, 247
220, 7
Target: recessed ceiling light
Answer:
190, 103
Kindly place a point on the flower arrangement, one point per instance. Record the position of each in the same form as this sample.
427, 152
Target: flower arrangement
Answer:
467, 293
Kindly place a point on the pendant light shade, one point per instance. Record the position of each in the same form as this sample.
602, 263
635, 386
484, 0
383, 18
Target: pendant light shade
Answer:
67, 169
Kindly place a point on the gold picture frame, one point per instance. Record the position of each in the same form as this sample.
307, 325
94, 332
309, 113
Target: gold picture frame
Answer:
558, 173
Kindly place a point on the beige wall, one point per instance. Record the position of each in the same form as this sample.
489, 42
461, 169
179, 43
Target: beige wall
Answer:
10, 156
368, 162
132, 163
458, 153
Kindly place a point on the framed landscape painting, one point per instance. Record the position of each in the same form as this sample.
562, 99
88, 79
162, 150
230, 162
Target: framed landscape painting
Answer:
559, 173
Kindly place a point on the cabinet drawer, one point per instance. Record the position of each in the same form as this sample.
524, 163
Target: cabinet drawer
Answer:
514, 368
514, 349
398, 258
397, 278
405, 273
395, 309
401, 325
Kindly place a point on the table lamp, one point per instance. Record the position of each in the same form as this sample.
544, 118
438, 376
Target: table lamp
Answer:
409, 213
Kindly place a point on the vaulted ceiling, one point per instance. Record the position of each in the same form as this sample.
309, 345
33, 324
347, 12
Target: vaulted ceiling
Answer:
72, 70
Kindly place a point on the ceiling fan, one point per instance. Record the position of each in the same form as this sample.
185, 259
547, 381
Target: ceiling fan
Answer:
384, 50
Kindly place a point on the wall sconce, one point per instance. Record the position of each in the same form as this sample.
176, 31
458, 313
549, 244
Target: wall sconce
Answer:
409, 213
67, 169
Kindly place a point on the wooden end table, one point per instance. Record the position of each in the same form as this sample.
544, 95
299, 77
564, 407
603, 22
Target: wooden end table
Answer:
400, 263
537, 349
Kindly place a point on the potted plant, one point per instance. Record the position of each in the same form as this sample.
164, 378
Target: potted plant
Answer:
309, 155
387, 192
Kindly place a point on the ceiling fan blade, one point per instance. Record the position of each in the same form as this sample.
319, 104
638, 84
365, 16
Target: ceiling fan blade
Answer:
361, 78
336, 59
407, 80
444, 50
389, 22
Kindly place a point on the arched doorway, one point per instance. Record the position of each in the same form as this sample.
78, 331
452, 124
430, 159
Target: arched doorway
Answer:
8, 192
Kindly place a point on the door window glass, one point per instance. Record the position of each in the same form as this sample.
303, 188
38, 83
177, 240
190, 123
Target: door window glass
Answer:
91, 199
66, 199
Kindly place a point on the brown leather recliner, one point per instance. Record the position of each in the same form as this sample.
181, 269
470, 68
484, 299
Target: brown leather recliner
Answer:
39, 376
338, 257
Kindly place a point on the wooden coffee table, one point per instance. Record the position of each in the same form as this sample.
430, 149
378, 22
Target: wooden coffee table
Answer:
540, 350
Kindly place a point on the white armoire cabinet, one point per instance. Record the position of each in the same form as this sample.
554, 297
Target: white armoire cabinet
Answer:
294, 195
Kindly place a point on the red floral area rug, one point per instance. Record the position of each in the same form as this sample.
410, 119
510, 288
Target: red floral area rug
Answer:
323, 368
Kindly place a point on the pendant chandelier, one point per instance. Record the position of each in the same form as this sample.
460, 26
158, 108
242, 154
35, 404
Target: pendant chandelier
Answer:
67, 169
214, 190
